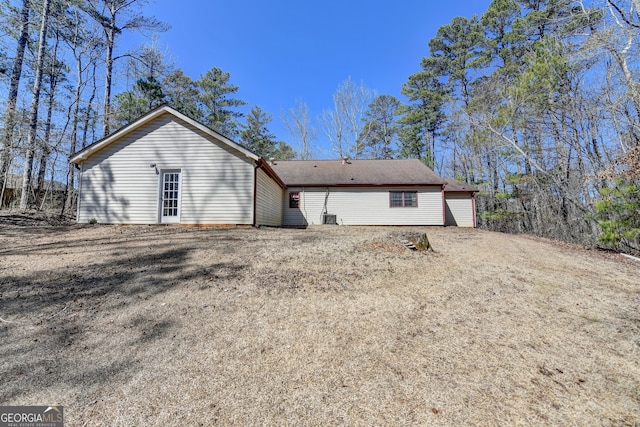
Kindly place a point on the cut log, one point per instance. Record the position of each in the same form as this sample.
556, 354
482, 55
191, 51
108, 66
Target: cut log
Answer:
408, 245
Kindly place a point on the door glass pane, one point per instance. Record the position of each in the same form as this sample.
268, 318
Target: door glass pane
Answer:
170, 194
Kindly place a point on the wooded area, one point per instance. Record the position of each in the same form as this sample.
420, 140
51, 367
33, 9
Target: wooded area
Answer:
536, 102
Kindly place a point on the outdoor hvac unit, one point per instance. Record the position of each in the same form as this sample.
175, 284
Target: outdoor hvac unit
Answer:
329, 219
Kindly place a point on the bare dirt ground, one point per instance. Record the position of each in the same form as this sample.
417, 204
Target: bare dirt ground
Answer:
325, 326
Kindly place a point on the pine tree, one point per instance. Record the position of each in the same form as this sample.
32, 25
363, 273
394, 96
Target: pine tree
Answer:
256, 136
220, 110
379, 134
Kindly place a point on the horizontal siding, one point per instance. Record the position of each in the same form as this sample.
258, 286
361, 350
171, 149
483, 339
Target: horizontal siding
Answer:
310, 209
459, 210
268, 200
119, 186
363, 206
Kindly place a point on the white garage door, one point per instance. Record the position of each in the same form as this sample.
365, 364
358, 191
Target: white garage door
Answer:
459, 210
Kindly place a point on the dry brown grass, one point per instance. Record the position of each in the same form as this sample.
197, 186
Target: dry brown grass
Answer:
324, 326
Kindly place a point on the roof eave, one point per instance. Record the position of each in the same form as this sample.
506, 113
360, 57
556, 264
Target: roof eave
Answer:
264, 165
366, 185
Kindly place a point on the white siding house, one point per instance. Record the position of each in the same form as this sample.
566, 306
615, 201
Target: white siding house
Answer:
361, 192
168, 168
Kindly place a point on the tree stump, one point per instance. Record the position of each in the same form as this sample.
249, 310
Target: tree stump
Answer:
417, 242
422, 243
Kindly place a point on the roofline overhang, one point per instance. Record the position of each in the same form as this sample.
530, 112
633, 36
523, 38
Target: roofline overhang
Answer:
85, 153
367, 185
473, 192
264, 165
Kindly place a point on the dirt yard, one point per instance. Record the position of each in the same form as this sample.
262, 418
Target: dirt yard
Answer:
325, 326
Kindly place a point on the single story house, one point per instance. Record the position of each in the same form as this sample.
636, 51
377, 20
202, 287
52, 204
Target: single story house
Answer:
166, 168
360, 192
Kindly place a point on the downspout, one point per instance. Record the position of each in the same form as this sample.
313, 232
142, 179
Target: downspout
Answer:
444, 206
304, 205
255, 192
80, 175
473, 206
324, 208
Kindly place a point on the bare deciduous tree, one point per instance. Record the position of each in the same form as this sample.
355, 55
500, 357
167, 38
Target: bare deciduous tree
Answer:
110, 14
298, 123
33, 115
10, 113
343, 124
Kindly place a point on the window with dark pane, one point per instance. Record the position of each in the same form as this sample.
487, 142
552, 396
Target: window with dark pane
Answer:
403, 199
294, 199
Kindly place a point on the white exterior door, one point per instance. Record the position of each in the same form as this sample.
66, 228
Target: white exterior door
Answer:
170, 197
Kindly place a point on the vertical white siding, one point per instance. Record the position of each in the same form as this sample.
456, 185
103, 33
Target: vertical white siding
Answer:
119, 186
459, 210
363, 206
268, 200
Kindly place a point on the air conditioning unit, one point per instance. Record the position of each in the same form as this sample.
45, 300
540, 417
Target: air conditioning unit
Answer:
329, 219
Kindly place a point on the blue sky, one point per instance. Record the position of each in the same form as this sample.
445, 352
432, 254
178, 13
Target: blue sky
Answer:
279, 51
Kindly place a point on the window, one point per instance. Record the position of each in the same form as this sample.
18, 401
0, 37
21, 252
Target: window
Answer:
294, 199
403, 199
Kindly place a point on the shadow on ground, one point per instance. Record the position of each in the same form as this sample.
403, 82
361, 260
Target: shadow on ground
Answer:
54, 322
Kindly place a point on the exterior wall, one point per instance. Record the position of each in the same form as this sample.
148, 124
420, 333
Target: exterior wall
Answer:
268, 200
460, 209
117, 184
363, 206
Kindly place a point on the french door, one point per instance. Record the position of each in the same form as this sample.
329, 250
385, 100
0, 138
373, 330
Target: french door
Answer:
170, 197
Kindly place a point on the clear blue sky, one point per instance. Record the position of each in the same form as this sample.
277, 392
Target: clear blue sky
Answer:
277, 51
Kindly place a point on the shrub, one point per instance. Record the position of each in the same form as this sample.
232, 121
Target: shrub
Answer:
618, 215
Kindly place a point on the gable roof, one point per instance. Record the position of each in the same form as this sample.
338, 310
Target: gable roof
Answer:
454, 185
89, 150
333, 173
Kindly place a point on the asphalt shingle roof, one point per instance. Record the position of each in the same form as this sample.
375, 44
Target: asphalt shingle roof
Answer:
310, 173
455, 185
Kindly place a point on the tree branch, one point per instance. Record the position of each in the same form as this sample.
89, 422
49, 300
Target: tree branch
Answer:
624, 17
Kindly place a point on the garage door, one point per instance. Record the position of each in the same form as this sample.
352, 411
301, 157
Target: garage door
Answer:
459, 210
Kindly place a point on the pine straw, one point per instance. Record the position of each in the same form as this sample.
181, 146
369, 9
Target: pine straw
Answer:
324, 326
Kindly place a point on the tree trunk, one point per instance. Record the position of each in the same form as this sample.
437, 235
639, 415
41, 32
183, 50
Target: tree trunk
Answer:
46, 142
89, 121
68, 192
90, 116
33, 116
16, 73
106, 128
110, 35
